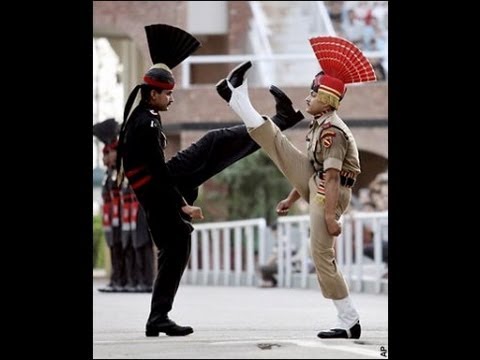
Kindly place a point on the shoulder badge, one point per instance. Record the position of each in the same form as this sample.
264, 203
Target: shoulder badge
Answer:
327, 138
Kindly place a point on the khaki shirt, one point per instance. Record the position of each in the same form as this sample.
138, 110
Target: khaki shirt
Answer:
331, 145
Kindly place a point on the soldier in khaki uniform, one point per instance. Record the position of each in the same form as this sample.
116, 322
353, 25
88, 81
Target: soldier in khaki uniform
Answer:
324, 177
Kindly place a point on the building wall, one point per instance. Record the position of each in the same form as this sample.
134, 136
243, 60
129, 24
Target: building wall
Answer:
367, 105
128, 18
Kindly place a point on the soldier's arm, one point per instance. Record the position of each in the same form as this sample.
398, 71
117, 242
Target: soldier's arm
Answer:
284, 205
334, 147
332, 189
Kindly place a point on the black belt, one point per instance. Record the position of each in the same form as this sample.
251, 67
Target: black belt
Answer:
347, 181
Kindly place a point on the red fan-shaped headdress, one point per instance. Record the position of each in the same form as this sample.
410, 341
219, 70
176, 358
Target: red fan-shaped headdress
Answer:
342, 63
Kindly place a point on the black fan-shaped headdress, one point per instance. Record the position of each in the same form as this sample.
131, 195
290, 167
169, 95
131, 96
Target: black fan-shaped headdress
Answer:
169, 45
106, 131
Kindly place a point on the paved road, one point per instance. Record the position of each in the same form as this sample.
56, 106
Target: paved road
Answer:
236, 323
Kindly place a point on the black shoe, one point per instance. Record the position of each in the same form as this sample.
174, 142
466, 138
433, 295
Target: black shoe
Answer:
142, 288
353, 333
235, 77
129, 288
168, 327
286, 116
111, 289
106, 289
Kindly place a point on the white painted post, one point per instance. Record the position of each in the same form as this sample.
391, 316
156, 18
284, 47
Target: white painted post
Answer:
194, 257
205, 257
226, 256
238, 254
216, 255
358, 253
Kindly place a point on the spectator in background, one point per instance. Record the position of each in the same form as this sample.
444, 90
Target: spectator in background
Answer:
352, 28
380, 11
374, 199
379, 192
269, 270
368, 235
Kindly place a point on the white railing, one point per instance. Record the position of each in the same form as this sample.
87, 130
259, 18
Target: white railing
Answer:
311, 63
325, 20
258, 24
229, 253
218, 246
354, 268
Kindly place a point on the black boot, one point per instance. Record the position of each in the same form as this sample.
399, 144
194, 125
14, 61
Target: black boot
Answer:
168, 327
353, 333
235, 77
109, 289
286, 116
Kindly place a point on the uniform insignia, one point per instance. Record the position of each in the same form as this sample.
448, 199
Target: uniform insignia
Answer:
152, 124
153, 112
326, 125
327, 142
319, 199
327, 138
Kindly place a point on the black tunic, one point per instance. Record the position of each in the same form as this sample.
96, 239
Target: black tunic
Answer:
145, 167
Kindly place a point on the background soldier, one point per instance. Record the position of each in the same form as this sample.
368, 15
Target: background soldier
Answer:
126, 236
107, 132
144, 268
137, 245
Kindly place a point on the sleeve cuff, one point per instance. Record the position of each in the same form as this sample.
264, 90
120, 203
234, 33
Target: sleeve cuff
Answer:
332, 163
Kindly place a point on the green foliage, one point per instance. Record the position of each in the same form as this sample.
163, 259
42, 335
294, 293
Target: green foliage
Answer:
98, 243
255, 186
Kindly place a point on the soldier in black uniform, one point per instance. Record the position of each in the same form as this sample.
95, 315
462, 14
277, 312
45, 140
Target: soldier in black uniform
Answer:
107, 132
137, 246
167, 190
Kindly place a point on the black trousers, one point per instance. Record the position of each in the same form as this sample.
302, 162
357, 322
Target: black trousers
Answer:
117, 277
173, 246
144, 265
214, 152
190, 168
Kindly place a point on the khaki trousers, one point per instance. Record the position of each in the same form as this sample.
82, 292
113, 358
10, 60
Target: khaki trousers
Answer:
300, 173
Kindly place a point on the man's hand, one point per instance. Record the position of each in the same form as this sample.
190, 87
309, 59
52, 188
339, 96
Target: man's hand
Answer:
283, 207
333, 226
194, 212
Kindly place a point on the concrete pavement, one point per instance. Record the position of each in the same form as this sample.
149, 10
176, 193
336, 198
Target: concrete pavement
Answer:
237, 323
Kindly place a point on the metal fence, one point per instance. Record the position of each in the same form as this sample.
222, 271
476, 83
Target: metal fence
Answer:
226, 253
230, 253
359, 271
